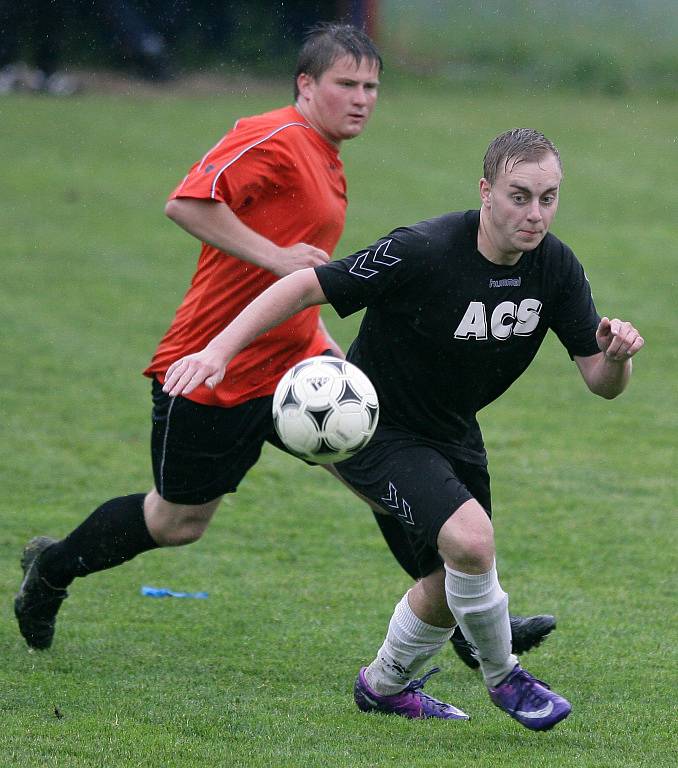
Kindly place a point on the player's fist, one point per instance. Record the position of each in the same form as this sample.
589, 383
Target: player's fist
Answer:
299, 256
617, 339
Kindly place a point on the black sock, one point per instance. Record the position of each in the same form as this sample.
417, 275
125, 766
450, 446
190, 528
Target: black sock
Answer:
111, 535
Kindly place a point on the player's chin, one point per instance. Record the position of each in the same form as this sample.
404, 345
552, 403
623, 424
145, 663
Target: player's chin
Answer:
352, 129
529, 241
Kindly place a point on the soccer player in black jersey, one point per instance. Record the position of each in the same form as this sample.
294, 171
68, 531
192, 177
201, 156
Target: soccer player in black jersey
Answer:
456, 309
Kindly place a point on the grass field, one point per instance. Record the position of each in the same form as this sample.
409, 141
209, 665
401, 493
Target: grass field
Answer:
301, 586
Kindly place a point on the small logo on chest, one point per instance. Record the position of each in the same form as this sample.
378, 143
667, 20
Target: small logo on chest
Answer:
507, 282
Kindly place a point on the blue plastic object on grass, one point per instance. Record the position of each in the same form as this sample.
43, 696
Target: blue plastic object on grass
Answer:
164, 592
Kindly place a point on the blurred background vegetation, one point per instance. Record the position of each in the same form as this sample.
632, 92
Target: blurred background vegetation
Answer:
599, 46
609, 46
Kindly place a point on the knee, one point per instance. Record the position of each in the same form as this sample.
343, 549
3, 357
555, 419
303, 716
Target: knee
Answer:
466, 540
474, 555
183, 531
177, 532
174, 525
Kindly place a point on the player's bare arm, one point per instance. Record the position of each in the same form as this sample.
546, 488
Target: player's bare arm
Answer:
608, 373
215, 223
279, 302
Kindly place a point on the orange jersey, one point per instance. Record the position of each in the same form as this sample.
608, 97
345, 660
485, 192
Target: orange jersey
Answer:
286, 182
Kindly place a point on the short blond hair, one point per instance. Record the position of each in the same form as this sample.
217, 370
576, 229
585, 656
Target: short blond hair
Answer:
518, 145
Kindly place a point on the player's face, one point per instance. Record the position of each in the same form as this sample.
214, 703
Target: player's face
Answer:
339, 103
517, 210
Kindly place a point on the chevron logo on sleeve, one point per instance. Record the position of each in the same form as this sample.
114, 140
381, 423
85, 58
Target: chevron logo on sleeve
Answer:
401, 507
368, 263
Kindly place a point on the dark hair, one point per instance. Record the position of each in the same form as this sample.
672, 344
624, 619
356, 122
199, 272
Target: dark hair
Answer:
519, 145
326, 42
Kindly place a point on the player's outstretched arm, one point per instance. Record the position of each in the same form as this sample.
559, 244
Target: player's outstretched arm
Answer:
607, 373
282, 300
213, 222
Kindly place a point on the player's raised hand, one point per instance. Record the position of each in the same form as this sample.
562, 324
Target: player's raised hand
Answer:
299, 256
617, 339
186, 374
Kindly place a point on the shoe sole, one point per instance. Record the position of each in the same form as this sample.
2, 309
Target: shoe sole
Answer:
548, 727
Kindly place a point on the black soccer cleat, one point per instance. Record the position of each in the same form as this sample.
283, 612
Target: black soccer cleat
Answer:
37, 603
527, 632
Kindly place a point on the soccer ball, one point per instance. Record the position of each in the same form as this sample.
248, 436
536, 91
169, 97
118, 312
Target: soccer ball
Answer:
325, 409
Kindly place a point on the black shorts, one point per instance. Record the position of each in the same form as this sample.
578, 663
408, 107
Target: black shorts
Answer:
201, 452
419, 488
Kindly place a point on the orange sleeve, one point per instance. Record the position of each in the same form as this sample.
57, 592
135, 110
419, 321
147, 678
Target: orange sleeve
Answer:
241, 169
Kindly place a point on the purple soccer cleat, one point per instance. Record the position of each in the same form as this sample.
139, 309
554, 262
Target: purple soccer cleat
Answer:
411, 702
529, 701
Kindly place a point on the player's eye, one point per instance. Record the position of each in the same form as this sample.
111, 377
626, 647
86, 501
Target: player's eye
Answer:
518, 198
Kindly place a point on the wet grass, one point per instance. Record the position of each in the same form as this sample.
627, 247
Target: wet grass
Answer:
301, 586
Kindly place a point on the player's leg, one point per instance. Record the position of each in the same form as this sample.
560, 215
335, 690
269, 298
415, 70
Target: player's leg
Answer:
480, 606
439, 515
419, 628
199, 453
527, 632
467, 591
114, 533
173, 525
407, 481
466, 543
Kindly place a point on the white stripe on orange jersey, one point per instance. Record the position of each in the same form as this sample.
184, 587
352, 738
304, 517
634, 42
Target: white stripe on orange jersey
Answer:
247, 149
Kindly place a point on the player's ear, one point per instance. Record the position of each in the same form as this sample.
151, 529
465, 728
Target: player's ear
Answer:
305, 84
485, 192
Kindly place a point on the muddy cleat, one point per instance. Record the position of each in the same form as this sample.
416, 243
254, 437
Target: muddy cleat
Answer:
37, 603
526, 633
530, 701
411, 702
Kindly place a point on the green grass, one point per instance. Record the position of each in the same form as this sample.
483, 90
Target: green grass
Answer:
301, 586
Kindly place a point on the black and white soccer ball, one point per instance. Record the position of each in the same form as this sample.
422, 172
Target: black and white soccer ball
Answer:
325, 409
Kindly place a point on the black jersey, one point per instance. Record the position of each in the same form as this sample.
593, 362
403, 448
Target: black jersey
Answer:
446, 331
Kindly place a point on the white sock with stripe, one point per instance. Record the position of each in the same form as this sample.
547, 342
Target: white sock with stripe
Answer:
409, 644
481, 607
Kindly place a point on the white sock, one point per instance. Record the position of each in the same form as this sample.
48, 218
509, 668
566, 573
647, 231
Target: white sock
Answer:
409, 644
481, 607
